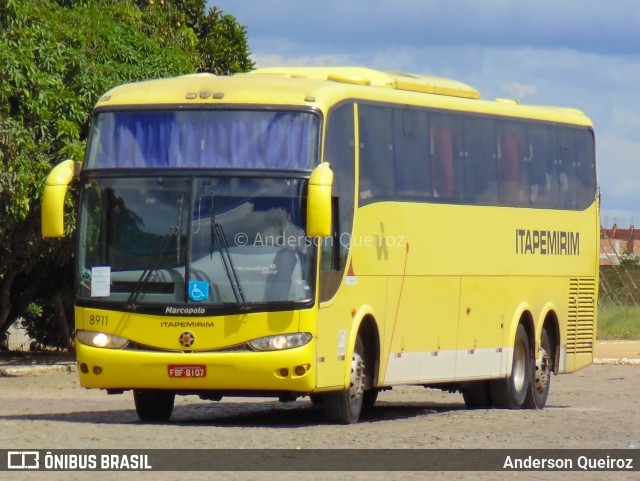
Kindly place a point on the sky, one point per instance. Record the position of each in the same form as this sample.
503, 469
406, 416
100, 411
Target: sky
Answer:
574, 53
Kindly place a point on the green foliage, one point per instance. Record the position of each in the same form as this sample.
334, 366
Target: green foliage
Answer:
58, 57
40, 324
629, 262
618, 322
222, 46
620, 285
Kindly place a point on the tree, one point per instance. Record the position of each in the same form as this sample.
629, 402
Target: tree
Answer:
221, 43
57, 58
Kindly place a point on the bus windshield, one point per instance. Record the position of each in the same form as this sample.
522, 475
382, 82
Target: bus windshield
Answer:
205, 240
238, 139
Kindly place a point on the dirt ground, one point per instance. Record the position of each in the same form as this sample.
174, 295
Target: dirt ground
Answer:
597, 407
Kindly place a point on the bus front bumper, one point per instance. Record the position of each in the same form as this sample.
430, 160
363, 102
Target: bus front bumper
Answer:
272, 371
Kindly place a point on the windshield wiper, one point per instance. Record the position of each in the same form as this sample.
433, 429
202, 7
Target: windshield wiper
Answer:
162, 250
217, 233
153, 265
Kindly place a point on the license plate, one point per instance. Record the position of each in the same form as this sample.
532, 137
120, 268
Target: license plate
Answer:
199, 370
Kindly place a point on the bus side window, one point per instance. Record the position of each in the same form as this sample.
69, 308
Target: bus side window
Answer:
446, 165
514, 184
586, 168
542, 166
445, 162
480, 171
376, 154
410, 147
340, 153
567, 167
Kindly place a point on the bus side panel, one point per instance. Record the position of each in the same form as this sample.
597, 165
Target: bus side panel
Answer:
574, 306
338, 322
581, 360
480, 350
422, 327
580, 335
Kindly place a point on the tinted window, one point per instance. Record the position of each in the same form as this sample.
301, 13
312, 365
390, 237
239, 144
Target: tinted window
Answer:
339, 152
411, 154
377, 170
480, 161
418, 154
446, 160
586, 167
512, 145
543, 166
204, 138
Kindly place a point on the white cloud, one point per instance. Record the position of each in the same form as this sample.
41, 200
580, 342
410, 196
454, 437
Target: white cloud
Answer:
575, 53
619, 164
520, 91
581, 25
263, 61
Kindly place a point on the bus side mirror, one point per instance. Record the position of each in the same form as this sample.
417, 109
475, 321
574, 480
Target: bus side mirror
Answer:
55, 189
319, 201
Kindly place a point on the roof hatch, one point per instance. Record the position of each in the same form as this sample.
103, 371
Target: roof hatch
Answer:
376, 78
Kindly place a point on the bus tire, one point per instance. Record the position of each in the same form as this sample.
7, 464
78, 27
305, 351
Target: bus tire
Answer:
153, 405
344, 407
369, 399
541, 373
477, 395
511, 392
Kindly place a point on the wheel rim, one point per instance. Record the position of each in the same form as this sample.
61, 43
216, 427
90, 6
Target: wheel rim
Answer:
543, 370
356, 387
519, 367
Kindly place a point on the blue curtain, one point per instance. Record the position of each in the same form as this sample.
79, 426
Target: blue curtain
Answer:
204, 139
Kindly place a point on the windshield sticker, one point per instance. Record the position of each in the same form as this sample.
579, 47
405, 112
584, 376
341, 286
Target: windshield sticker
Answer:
101, 281
198, 290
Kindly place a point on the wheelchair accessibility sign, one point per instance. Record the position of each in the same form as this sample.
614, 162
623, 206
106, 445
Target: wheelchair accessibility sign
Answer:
198, 290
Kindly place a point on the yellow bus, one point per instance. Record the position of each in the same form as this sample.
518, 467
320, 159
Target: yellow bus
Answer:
332, 233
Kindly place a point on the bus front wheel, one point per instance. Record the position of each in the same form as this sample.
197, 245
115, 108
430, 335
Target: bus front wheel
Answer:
153, 405
511, 392
345, 406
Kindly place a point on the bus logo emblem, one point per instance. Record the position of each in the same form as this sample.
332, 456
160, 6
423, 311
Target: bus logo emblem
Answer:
187, 339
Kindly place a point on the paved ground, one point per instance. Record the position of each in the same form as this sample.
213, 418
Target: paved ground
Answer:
28, 364
621, 350
43, 407
595, 408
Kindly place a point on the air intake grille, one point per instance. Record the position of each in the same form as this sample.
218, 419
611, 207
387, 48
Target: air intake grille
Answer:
582, 295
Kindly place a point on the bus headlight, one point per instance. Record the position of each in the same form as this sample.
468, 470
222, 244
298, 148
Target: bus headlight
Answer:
101, 339
280, 342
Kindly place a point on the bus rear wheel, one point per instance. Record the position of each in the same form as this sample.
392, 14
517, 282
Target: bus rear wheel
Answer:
369, 399
540, 375
153, 405
511, 392
345, 406
477, 395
